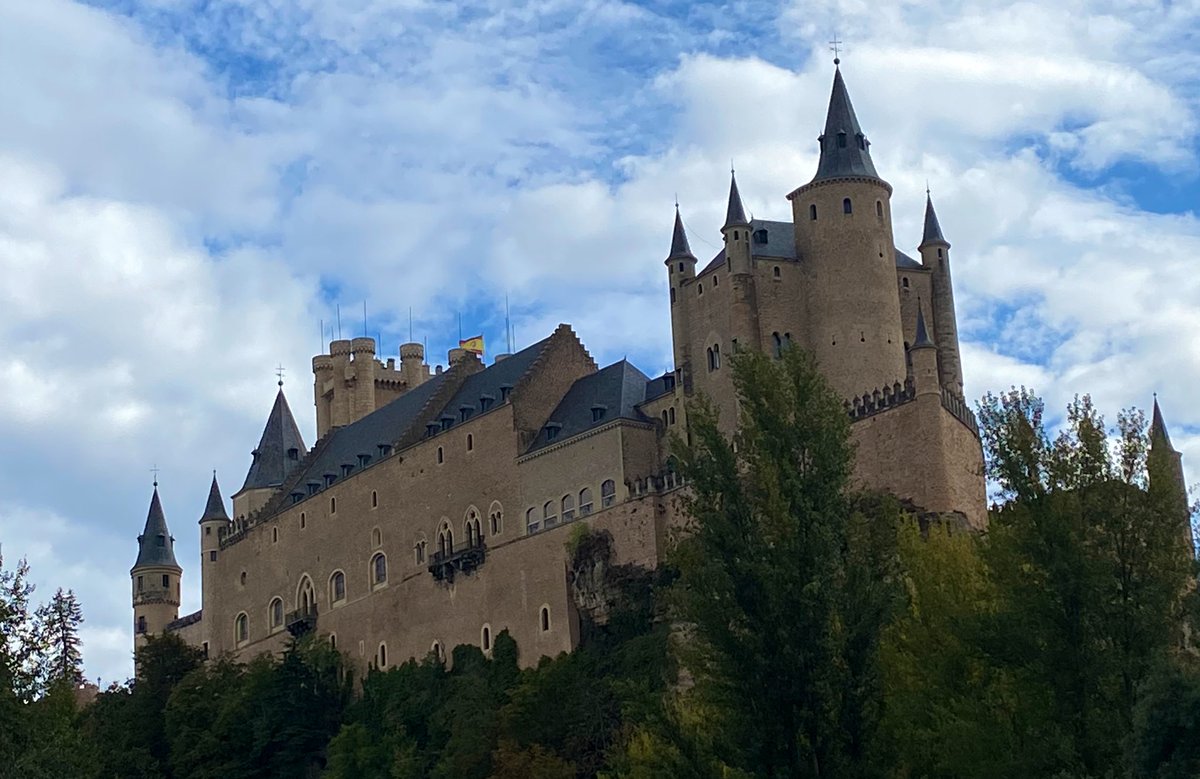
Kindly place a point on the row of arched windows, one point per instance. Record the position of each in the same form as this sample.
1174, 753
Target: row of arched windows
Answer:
566, 509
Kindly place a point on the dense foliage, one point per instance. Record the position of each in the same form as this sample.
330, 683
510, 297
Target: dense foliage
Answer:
797, 628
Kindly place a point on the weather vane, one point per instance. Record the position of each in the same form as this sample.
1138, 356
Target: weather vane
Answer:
279, 373
154, 470
835, 46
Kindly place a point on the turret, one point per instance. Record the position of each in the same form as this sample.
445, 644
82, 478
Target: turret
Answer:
412, 364
736, 231
681, 270
214, 522
743, 308
923, 355
279, 451
844, 242
155, 576
362, 362
935, 255
1166, 476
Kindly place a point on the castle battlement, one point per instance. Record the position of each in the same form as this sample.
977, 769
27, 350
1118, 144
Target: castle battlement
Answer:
881, 399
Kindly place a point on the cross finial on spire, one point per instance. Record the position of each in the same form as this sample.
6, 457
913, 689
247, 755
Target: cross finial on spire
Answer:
279, 373
154, 470
927, 188
835, 46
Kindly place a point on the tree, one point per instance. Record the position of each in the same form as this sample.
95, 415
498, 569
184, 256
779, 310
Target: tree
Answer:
780, 600
58, 631
19, 647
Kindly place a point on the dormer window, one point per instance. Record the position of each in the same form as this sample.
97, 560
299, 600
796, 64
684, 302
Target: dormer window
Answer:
313, 487
505, 391
384, 450
598, 412
464, 412
447, 421
841, 140
363, 459
760, 236
552, 430
293, 454
162, 540
346, 469
485, 402
431, 429
297, 497
330, 478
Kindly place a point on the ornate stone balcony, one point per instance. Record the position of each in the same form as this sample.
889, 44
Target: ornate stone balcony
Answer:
301, 621
445, 565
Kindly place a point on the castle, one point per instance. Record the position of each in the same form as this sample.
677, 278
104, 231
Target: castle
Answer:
430, 511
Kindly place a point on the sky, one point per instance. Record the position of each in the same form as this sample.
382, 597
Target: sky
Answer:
193, 191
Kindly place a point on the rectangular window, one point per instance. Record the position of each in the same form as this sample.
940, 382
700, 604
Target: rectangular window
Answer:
212, 557
141, 584
166, 580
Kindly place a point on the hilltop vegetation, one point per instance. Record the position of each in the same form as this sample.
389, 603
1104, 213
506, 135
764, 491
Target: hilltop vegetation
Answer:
798, 628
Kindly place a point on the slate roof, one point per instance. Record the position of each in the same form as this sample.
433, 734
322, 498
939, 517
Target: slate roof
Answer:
781, 244
904, 261
660, 386
933, 230
851, 159
1158, 428
735, 214
922, 339
618, 389
489, 381
215, 508
156, 548
272, 464
679, 241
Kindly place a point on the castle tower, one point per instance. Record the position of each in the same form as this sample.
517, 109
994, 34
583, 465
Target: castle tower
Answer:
681, 270
155, 577
213, 523
1166, 474
843, 225
743, 308
279, 451
935, 255
924, 356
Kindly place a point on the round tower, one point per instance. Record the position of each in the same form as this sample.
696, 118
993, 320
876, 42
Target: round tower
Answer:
924, 355
743, 309
681, 272
214, 523
843, 224
363, 402
155, 577
935, 255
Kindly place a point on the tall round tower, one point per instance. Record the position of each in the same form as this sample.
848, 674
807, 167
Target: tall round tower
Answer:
843, 222
681, 270
155, 577
935, 255
213, 523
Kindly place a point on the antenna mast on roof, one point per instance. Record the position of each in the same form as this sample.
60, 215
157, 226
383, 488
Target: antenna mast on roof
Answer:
507, 326
338, 309
322, 344
364, 318
410, 324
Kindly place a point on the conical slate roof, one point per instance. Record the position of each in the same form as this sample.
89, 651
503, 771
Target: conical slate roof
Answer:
156, 548
1158, 428
272, 461
933, 230
845, 150
215, 508
922, 340
735, 214
679, 241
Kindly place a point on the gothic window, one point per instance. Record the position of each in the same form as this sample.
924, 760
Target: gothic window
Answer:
436, 651
333, 641
473, 527
716, 281
847, 206
378, 569
879, 208
664, 417
337, 587
382, 656
441, 458
699, 291
671, 415
608, 493
485, 638
496, 519
531, 521
419, 552
710, 358
544, 619
549, 518
716, 350
241, 628
777, 344
585, 501
374, 499
333, 505
812, 212
776, 272
306, 596
568, 508
276, 612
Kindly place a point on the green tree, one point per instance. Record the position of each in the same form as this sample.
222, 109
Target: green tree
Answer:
1165, 743
58, 632
780, 598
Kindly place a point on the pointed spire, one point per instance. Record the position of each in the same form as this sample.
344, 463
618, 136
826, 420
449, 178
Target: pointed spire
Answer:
1158, 428
735, 214
845, 150
933, 230
279, 450
922, 341
156, 548
679, 241
215, 508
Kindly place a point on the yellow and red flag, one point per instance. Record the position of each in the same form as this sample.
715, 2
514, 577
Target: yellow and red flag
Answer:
473, 345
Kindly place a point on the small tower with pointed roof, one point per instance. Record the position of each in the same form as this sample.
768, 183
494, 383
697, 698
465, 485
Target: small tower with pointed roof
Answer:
935, 255
214, 522
844, 242
1166, 475
739, 265
279, 450
681, 269
924, 356
155, 576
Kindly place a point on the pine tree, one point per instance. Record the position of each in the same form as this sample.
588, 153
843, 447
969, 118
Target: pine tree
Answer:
58, 630
19, 646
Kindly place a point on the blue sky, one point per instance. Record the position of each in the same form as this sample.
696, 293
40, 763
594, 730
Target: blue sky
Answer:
187, 189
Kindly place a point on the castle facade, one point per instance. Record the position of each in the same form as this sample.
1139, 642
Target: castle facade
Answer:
432, 509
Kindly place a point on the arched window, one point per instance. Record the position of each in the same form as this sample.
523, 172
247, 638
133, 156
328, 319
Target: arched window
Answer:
382, 657
376, 538
274, 535
241, 628
904, 282
474, 530
776, 272
532, 523
141, 625
436, 651
544, 619
568, 507
710, 358
419, 552
306, 596
608, 493
276, 613
716, 356
378, 570
549, 518
700, 289
812, 212
879, 208
496, 519
302, 520
333, 640
445, 539
333, 505
485, 638
337, 587
664, 417
374, 499
847, 206
441, 457
671, 410
585, 501
470, 442
777, 344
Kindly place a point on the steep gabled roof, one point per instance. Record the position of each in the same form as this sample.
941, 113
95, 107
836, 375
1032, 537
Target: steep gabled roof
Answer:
272, 461
933, 230
596, 399
156, 548
735, 213
845, 150
1158, 428
922, 339
215, 507
490, 382
679, 242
